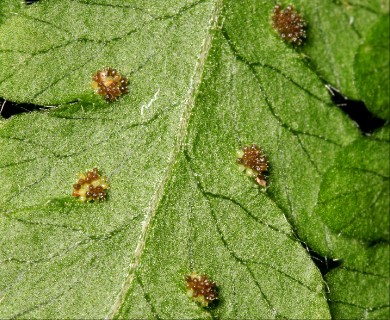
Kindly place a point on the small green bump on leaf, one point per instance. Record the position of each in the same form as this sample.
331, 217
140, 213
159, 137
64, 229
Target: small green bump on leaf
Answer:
240, 153
250, 173
241, 168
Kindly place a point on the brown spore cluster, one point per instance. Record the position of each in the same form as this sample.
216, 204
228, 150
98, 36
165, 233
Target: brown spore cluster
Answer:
201, 289
254, 162
110, 84
90, 186
289, 24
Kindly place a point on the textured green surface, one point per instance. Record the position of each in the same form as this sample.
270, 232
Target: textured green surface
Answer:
354, 205
355, 192
206, 77
360, 289
8, 8
371, 69
335, 31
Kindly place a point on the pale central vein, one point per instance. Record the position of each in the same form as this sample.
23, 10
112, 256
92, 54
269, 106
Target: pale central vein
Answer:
189, 103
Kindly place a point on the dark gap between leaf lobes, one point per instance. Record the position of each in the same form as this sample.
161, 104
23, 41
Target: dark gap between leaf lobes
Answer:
30, 1
324, 264
357, 111
9, 108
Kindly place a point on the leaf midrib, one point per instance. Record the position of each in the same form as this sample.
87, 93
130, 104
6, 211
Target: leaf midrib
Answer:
189, 103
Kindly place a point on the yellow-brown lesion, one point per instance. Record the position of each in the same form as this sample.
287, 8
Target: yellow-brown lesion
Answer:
90, 186
109, 83
201, 289
289, 23
252, 160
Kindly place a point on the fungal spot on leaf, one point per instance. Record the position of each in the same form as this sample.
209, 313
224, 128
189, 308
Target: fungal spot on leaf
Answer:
90, 186
110, 84
201, 289
253, 161
289, 24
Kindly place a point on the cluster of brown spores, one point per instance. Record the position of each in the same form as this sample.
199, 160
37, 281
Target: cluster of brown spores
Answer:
289, 24
254, 162
90, 186
201, 289
110, 84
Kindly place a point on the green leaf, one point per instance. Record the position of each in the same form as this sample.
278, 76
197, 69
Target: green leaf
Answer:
206, 78
371, 69
228, 239
354, 206
355, 193
8, 8
360, 288
335, 32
